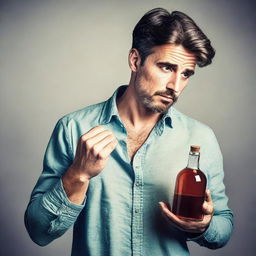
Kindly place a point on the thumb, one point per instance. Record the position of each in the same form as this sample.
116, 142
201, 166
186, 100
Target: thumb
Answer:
208, 197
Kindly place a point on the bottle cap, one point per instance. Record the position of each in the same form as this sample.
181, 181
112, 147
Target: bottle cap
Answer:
195, 149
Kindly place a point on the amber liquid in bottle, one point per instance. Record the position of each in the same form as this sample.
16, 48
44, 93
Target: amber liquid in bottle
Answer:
190, 188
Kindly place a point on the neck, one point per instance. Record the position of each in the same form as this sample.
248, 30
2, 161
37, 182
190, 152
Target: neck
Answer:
133, 113
193, 160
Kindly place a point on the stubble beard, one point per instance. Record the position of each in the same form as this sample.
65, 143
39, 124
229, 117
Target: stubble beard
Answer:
151, 105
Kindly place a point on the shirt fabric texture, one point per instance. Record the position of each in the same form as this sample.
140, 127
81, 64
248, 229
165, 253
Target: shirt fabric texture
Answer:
120, 215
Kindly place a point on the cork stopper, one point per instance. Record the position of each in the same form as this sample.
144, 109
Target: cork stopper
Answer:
195, 149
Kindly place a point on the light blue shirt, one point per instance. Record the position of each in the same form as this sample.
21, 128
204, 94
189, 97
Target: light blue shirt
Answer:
120, 215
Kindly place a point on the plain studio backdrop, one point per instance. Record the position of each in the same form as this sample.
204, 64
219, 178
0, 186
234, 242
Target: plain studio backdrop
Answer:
60, 56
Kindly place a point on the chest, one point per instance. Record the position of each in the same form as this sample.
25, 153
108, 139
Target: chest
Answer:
135, 140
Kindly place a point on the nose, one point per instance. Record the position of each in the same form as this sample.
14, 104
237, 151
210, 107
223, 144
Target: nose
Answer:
174, 82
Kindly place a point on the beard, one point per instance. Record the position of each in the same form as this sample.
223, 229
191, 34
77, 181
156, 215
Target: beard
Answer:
156, 106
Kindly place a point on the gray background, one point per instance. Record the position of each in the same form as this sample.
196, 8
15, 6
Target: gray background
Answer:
59, 56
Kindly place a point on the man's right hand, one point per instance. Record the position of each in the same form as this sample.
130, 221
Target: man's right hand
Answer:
92, 154
93, 150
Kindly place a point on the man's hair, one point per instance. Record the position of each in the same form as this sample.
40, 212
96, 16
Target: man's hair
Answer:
158, 27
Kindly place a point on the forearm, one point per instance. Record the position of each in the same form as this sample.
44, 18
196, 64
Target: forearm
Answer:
50, 215
218, 233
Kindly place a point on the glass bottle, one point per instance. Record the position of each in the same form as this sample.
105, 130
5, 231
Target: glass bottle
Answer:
190, 188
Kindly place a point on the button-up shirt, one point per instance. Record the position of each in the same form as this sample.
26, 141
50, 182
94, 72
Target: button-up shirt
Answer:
120, 215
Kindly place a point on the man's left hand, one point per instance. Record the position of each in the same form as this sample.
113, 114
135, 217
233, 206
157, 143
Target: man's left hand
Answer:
191, 226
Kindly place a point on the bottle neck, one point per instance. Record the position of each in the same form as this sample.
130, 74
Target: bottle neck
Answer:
193, 160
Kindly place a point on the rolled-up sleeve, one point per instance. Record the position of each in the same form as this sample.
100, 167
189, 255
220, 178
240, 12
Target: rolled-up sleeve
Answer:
50, 213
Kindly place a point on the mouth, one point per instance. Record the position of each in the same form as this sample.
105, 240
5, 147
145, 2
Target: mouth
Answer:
167, 97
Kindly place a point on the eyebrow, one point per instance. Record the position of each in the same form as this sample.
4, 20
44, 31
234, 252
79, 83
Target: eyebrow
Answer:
188, 71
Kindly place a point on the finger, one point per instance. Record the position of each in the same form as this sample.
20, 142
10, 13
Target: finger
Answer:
106, 151
168, 220
95, 130
188, 226
206, 220
92, 141
208, 197
99, 146
208, 208
169, 214
204, 224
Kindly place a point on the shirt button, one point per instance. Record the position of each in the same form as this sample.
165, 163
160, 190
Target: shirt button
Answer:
137, 184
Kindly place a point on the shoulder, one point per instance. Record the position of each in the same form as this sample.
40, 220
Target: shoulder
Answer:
194, 127
197, 133
189, 122
89, 115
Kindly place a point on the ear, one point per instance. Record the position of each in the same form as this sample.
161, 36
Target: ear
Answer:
134, 59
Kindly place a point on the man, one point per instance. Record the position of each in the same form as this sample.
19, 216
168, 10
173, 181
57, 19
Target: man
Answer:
110, 168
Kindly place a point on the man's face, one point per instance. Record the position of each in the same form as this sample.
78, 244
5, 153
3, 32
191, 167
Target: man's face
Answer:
163, 76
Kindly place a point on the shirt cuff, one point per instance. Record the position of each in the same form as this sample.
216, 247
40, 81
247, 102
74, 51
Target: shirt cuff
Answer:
63, 210
207, 236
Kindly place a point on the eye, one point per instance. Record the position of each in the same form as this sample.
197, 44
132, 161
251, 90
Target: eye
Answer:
185, 75
166, 68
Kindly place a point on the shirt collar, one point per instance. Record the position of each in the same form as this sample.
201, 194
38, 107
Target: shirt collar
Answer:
110, 111
110, 108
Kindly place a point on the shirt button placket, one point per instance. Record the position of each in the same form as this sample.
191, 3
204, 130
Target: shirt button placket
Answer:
137, 219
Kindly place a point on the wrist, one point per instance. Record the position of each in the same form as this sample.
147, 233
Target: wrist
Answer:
76, 176
75, 186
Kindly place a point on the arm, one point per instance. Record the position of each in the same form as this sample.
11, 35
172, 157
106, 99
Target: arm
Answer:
59, 195
221, 226
215, 229
50, 213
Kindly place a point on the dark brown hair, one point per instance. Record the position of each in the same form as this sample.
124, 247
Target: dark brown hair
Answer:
158, 27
